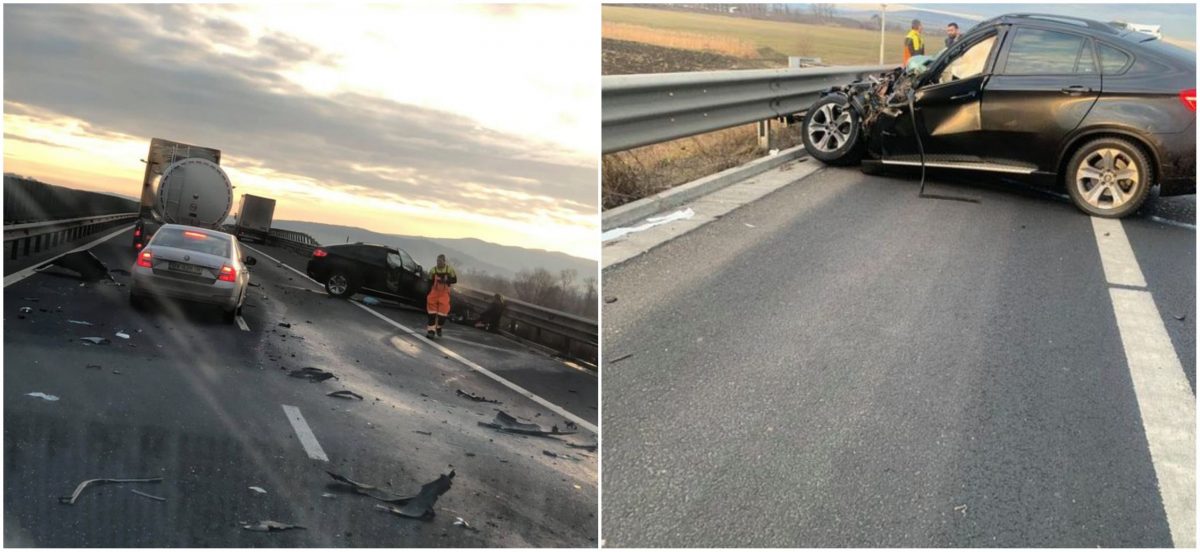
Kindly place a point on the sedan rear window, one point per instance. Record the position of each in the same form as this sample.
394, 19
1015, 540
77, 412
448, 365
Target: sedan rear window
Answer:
1040, 52
199, 242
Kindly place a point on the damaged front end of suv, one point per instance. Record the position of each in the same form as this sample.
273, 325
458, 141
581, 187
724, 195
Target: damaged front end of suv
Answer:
860, 119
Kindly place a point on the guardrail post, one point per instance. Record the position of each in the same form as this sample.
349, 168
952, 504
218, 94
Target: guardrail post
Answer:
764, 135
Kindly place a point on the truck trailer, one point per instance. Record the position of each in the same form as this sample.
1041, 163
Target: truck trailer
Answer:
183, 184
254, 217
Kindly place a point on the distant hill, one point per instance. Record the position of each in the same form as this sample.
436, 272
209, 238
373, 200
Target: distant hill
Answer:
464, 253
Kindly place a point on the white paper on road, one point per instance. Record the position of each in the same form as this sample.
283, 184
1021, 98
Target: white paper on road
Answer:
41, 395
650, 223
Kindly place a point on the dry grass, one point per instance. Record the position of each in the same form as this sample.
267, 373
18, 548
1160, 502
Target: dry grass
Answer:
631, 175
834, 45
678, 39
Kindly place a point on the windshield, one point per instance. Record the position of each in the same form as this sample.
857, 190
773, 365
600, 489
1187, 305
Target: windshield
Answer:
199, 242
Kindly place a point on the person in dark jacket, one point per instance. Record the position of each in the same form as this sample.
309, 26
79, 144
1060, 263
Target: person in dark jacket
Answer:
951, 34
490, 319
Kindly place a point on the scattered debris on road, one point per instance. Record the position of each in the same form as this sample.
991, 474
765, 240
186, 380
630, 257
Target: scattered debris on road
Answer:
80, 322
122, 335
421, 505
95, 340
284, 325
1181, 317
84, 263
312, 374
258, 490
553, 454
345, 394
961, 508
95, 367
268, 526
620, 358
477, 398
508, 424
368, 300
463, 523
610, 299
328, 495
589, 448
429, 433
150, 496
41, 395
25, 310
90, 482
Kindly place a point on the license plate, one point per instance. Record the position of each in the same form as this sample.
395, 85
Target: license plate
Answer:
184, 267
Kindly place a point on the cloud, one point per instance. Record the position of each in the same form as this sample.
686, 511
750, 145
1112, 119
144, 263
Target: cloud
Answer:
177, 73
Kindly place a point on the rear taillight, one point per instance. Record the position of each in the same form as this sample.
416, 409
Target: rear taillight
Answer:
318, 252
228, 274
145, 258
137, 232
137, 245
1188, 97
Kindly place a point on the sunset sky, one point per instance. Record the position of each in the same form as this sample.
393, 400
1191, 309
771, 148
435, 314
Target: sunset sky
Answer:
440, 121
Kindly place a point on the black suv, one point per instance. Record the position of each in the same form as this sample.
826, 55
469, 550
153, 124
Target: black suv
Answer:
350, 268
1104, 112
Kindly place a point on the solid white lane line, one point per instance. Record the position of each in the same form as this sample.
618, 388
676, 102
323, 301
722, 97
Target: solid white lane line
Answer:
1165, 401
27, 272
1116, 255
241, 322
307, 439
1167, 406
520, 390
468, 363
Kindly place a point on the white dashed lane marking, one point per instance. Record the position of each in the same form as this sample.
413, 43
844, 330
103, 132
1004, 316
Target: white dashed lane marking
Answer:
1165, 400
307, 439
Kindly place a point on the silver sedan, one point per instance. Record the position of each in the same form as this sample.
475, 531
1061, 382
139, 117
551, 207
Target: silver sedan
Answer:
192, 264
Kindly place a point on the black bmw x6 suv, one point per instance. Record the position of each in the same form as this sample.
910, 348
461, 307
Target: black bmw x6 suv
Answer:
1104, 112
349, 268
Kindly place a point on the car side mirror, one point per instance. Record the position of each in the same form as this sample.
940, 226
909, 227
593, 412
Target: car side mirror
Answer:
250, 261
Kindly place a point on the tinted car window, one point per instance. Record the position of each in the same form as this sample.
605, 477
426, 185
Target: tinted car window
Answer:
409, 263
1112, 59
1039, 52
192, 241
970, 63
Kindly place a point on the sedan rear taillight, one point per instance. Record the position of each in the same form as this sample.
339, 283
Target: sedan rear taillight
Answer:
318, 252
1188, 97
228, 274
144, 260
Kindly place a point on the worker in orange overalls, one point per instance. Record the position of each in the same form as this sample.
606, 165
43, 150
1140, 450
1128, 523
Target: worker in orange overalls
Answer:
438, 301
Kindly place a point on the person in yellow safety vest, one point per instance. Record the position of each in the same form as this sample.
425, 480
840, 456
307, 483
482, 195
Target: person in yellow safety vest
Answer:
914, 44
438, 301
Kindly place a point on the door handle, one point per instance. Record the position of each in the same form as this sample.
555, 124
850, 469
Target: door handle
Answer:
970, 94
1075, 90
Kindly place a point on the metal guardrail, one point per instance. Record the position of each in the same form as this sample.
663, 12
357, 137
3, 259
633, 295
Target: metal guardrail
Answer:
27, 239
639, 110
569, 335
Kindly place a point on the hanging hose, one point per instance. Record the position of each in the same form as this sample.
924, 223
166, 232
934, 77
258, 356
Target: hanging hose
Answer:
912, 112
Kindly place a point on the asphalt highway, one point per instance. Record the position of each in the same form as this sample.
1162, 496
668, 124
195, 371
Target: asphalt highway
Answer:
844, 364
209, 408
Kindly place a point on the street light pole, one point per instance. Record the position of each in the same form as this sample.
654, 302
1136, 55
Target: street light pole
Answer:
882, 26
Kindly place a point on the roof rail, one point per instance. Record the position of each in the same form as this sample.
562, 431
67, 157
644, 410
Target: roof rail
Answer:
1095, 25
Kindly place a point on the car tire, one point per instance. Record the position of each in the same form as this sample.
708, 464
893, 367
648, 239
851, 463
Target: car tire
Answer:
341, 283
831, 131
1094, 177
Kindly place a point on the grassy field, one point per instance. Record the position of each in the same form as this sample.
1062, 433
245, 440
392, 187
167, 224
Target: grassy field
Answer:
834, 45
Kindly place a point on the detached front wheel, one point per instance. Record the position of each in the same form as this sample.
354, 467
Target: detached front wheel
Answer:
831, 131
